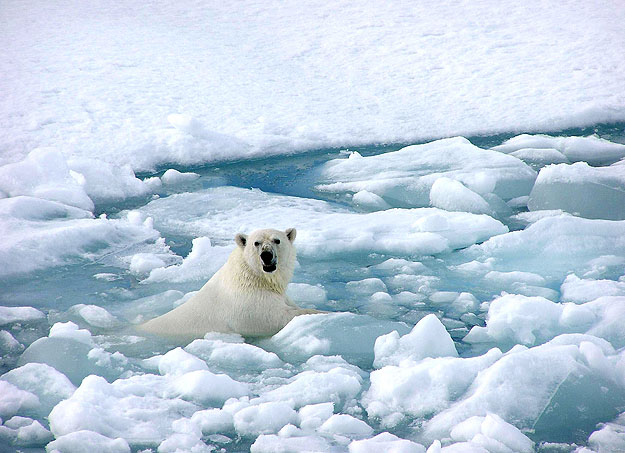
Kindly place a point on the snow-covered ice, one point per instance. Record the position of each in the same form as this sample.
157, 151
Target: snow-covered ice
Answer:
592, 149
153, 86
431, 310
410, 177
467, 245
326, 229
576, 188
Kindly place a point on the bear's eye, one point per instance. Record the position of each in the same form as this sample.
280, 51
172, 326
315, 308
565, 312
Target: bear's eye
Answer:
256, 243
276, 241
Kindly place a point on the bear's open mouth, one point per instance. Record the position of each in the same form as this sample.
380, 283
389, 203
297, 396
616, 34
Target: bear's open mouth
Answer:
269, 268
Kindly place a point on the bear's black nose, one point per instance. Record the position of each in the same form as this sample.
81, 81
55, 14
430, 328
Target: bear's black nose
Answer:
266, 257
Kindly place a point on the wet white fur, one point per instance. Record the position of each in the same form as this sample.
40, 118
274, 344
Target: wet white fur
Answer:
240, 298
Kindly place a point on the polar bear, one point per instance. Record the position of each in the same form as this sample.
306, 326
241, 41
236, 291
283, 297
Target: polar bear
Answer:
246, 296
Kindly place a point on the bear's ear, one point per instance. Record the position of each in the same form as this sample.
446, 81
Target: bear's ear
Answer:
291, 233
241, 240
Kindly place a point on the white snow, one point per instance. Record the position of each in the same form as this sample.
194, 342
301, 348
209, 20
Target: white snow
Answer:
517, 319
337, 385
286, 77
44, 174
70, 330
538, 158
221, 351
422, 388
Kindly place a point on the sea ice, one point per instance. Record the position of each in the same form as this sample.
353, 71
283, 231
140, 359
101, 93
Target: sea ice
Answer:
610, 437
270, 443
313, 416
552, 247
178, 362
212, 421
325, 229
576, 189
107, 183
345, 425
95, 316
491, 432
220, 351
44, 174
516, 319
339, 385
578, 290
16, 401
591, 149
201, 263
352, 336
84, 441
452, 195
386, 442
25, 432
424, 388
136, 409
428, 338
173, 176
39, 234
8, 344
538, 158
49, 385
71, 351
9, 315
556, 389
305, 294
264, 418
405, 178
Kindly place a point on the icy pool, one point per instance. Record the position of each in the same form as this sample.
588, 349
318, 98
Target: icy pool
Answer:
475, 290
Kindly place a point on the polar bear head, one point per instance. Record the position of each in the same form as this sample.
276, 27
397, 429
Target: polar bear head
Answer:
269, 252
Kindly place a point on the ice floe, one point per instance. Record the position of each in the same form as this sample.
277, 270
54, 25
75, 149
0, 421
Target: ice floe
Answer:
592, 149
577, 188
326, 229
405, 178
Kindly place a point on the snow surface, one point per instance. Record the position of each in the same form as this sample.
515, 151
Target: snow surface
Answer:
187, 83
474, 290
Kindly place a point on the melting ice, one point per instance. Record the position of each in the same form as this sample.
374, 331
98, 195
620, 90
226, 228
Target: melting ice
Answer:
472, 306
